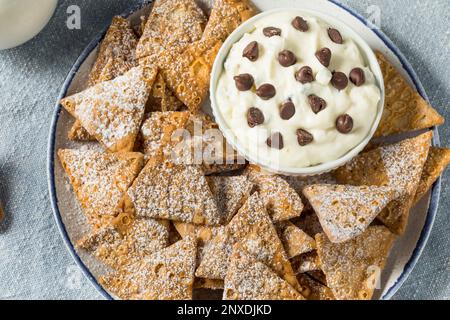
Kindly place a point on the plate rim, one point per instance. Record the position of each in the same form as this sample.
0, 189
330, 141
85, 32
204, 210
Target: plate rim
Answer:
435, 192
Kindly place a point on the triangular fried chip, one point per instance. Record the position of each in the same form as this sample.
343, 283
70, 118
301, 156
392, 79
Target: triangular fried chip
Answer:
174, 192
252, 227
115, 57
282, 202
172, 25
313, 290
398, 166
226, 16
162, 99
306, 262
352, 268
346, 211
188, 75
165, 275
438, 160
230, 192
249, 279
404, 109
100, 180
295, 240
211, 284
127, 240
113, 111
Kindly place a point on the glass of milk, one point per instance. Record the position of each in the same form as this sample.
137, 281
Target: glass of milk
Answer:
21, 20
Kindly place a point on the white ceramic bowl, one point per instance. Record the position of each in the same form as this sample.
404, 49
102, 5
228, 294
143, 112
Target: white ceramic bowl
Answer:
218, 67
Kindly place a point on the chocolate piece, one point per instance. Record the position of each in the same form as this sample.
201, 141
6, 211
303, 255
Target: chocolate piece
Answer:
357, 77
335, 36
324, 56
266, 91
271, 31
304, 137
287, 110
304, 75
300, 24
317, 104
244, 82
344, 123
275, 141
287, 58
251, 51
255, 117
339, 80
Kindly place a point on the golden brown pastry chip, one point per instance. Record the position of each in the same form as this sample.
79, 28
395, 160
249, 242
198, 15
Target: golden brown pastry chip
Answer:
167, 274
404, 110
127, 240
162, 98
100, 180
306, 262
172, 26
188, 75
398, 166
438, 160
211, 284
313, 290
346, 211
295, 240
174, 192
202, 233
282, 202
249, 279
113, 111
352, 267
230, 192
252, 227
226, 16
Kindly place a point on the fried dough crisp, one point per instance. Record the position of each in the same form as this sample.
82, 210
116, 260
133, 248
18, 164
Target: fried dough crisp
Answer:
252, 227
437, 162
113, 111
352, 268
313, 290
174, 192
398, 166
115, 57
295, 240
172, 25
249, 279
211, 284
127, 240
346, 211
404, 110
167, 274
282, 202
226, 16
306, 262
162, 98
100, 180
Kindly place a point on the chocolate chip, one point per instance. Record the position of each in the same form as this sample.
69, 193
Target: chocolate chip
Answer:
251, 51
255, 117
357, 77
271, 31
300, 24
244, 82
344, 123
304, 75
266, 91
317, 104
304, 137
339, 80
287, 110
324, 56
287, 58
275, 141
335, 36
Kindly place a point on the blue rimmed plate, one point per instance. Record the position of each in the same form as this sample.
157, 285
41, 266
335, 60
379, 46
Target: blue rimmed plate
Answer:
407, 249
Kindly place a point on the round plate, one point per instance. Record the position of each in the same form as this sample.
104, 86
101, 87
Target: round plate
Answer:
71, 222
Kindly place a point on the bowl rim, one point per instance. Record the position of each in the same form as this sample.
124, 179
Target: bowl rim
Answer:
435, 191
369, 57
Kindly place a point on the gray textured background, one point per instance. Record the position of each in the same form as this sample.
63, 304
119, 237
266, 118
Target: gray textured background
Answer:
34, 264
